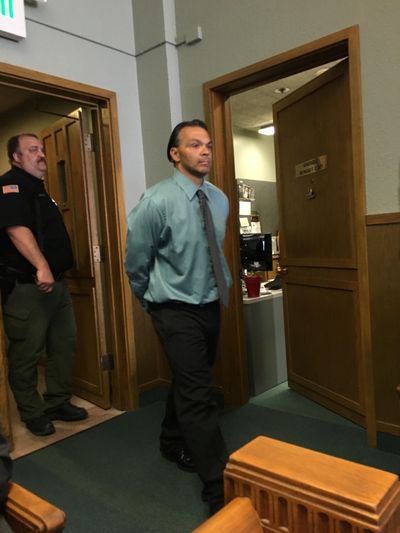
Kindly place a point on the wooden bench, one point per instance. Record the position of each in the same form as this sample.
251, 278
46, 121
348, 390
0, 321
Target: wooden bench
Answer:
239, 516
296, 490
27, 513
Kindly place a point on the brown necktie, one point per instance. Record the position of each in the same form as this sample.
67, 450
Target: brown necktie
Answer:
213, 247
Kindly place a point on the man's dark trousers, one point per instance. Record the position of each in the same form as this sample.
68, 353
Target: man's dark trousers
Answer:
36, 323
189, 334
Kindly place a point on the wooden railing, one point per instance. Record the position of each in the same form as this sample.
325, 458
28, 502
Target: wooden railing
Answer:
27, 513
5, 422
238, 516
296, 490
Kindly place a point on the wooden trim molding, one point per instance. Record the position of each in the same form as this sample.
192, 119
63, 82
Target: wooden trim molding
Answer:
344, 43
366, 357
40, 82
125, 393
382, 218
5, 423
306, 56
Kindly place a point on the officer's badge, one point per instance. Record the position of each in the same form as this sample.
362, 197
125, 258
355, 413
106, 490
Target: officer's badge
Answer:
7, 189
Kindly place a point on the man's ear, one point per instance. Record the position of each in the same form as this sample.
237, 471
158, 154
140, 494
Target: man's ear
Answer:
16, 157
174, 153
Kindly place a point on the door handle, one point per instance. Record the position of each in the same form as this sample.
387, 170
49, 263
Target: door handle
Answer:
282, 270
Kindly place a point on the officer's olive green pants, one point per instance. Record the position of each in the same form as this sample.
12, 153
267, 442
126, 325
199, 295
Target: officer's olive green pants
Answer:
38, 323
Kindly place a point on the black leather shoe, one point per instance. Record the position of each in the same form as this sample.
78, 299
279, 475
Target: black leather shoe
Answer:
40, 426
182, 459
213, 491
67, 413
215, 506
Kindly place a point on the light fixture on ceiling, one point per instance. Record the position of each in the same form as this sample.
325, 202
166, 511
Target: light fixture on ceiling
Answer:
35, 3
321, 71
269, 129
281, 90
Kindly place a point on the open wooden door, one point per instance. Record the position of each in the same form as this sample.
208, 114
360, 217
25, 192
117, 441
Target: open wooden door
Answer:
322, 248
71, 183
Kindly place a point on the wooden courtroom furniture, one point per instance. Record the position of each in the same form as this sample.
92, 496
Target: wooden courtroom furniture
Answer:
239, 516
5, 419
296, 490
27, 513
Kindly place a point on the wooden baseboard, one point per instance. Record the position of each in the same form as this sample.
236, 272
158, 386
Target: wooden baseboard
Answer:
386, 427
340, 410
154, 384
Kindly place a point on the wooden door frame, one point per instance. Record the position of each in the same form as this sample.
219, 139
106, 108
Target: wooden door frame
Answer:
344, 43
110, 185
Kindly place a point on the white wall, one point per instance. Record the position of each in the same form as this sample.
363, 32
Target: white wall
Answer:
158, 78
91, 42
254, 156
237, 33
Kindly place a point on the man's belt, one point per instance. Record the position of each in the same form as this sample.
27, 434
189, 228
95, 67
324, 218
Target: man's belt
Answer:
30, 278
12, 274
25, 279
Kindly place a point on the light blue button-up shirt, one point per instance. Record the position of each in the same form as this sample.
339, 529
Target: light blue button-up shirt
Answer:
167, 256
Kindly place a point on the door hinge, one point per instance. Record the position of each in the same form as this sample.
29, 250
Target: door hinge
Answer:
107, 361
88, 141
97, 253
105, 116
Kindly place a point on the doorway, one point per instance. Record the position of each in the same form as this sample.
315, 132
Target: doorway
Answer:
82, 121
344, 44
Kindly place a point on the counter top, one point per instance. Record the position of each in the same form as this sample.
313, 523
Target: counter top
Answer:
264, 295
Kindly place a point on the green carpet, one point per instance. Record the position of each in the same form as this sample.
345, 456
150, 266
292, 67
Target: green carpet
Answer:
111, 478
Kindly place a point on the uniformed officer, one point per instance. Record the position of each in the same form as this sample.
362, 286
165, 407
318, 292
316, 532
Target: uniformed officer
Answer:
38, 316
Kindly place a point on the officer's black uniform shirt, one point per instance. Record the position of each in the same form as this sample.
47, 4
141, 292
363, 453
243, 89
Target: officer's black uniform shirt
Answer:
19, 191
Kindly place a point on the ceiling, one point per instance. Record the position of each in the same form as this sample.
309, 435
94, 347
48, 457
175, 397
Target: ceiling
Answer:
253, 109
10, 97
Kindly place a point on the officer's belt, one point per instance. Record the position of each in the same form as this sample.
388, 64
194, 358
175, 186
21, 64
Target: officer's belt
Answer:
30, 278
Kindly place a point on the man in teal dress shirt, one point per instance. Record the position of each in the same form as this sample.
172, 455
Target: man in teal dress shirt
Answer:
171, 272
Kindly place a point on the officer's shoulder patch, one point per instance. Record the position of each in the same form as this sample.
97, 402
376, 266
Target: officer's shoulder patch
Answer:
8, 189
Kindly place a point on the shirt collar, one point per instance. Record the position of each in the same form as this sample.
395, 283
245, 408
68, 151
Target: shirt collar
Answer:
188, 186
26, 174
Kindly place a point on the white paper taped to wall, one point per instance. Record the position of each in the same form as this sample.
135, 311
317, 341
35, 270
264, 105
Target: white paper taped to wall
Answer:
244, 208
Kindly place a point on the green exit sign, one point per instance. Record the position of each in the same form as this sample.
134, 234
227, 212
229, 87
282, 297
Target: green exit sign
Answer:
12, 19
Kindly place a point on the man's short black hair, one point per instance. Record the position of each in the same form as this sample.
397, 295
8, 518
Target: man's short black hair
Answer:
13, 144
174, 138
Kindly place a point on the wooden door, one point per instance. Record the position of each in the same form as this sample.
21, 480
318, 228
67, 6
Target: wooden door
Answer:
322, 238
71, 183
